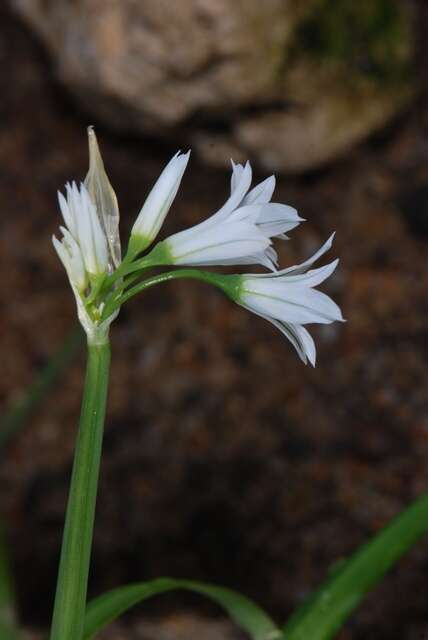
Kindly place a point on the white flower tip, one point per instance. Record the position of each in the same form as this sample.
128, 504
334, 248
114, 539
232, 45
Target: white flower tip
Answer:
182, 156
178, 164
235, 165
241, 169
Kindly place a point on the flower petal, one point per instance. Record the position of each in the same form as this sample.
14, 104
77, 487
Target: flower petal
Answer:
311, 278
237, 170
289, 303
242, 185
261, 193
160, 199
223, 244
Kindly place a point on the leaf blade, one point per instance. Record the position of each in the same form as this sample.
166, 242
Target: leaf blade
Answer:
320, 617
243, 612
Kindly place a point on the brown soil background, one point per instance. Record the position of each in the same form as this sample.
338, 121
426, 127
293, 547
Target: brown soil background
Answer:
226, 460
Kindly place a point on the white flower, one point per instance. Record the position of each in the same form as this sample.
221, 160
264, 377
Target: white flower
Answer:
288, 300
158, 203
83, 226
83, 251
239, 232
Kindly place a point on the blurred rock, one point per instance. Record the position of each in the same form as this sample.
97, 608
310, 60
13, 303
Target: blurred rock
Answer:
293, 84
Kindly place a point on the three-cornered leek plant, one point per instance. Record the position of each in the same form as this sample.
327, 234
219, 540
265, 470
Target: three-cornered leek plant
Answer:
241, 233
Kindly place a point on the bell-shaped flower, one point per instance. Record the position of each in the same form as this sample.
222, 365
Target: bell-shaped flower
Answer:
239, 232
157, 204
288, 300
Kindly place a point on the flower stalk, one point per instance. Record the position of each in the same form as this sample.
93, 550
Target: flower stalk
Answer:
70, 599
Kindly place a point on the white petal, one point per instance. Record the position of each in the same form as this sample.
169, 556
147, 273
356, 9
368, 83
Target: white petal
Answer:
99, 241
275, 219
160, 198
241, 188
303, 267
222, 243
262, 192
311, 278
289, 303
67, 214
62, 252
237, 170
83, 227
76, 270
279, 309
69, 254
306, 341
299, 337
250, 213
274, 211
262, 258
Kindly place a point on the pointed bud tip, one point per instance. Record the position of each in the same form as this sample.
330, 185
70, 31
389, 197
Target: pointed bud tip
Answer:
94, 150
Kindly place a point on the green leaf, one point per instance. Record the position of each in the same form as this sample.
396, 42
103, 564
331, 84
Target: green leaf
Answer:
243, 612
325, 612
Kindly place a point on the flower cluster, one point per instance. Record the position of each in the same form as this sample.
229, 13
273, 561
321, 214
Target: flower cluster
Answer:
241, 232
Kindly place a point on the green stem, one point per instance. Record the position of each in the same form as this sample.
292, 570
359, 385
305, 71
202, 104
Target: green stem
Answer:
70, 599
228, 283
125, 268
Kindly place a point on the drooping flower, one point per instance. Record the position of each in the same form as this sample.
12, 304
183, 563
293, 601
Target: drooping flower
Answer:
239, 232
157, 204
288, 300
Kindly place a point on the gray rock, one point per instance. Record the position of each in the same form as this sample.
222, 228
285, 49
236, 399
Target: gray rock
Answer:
292, 85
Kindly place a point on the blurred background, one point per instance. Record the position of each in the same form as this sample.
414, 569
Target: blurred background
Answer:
226, 459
